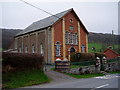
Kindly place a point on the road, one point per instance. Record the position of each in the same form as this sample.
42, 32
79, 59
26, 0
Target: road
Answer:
108, 81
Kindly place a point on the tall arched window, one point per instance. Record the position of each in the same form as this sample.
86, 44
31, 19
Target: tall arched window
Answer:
58, 49
20, 49
41, 49
76, 39
26, 49
33, 48
67, 37
71, 39
83, 48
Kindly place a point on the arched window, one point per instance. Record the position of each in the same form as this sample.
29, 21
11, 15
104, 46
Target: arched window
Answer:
20, 49
57, 48
26, 49
33, 48
83, 48
67, 37
41, 49
71, 39
76, 39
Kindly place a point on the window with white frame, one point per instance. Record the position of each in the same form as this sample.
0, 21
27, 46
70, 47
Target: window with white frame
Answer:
76, 39
41, 49
71, 28
26, 49
71, 38
83, 48
33, 48
67, 37
57, 48
20, 49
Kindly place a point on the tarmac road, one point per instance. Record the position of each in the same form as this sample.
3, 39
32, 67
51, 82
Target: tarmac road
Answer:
108, 81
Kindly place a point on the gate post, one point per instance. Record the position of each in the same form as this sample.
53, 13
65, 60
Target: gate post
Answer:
97, 65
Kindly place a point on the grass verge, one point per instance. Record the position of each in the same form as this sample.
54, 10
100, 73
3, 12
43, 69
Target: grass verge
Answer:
115, 72
85, 75
24, 78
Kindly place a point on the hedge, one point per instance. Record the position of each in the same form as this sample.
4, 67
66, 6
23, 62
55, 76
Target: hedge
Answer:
21, 61
85, 56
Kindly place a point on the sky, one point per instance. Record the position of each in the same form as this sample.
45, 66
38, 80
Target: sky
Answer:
100, 16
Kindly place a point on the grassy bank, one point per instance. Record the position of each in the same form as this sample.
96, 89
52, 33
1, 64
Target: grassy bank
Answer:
25, 78
85, 75
99, 47
115, 72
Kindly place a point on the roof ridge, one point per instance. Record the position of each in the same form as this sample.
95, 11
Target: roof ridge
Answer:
54, 15
43, 23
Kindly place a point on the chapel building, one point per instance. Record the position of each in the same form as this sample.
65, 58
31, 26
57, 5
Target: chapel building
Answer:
54, 37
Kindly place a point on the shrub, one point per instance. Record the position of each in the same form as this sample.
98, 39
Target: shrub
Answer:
83, 57
100, 55
21, 61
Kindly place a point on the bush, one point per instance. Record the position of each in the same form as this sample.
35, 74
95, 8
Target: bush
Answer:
85, 56
100, 55
21, 61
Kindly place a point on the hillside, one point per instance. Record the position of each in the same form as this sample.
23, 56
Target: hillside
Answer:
98, 40
102, 41
8, 37
103, 38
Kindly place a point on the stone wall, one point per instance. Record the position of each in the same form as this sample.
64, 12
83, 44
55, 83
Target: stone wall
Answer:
114, 66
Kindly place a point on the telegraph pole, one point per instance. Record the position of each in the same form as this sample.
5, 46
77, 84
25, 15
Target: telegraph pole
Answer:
113, 39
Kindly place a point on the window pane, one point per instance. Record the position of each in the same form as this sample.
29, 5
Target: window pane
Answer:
71, 27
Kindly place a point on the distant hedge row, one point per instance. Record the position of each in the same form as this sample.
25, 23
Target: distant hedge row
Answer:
21, 61
85, 56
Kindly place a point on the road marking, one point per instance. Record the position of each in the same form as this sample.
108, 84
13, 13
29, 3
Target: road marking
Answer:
99, 87
107, 77
102, 86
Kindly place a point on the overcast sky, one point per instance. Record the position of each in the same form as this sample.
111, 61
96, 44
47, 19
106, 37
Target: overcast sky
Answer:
100, 17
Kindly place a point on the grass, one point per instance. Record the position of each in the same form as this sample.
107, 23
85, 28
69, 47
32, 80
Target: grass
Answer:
74, 66
85, 75
115, 72
24, 78
99, 47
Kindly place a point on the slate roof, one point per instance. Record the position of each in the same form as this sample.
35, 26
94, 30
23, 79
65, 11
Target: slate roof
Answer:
43, 23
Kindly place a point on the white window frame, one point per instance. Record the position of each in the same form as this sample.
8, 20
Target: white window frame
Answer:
33, 48
26, 49
20, 50
58, 53
41, 49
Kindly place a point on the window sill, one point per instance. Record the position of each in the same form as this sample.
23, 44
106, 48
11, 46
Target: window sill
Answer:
58, 56
72, 44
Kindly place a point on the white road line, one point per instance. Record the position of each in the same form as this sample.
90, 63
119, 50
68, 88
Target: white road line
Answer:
102, 86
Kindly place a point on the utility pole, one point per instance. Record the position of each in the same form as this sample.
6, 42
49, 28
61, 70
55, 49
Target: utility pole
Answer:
113, 39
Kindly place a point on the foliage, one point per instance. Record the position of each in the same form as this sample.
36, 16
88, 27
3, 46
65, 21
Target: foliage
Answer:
24, 78
115, 72
83, 57
21, 61
85, 75
100, 55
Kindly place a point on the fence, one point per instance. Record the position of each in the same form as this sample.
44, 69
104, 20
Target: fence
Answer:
112, 60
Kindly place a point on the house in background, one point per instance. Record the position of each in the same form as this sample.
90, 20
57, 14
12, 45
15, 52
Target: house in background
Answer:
55, 37
110, 53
